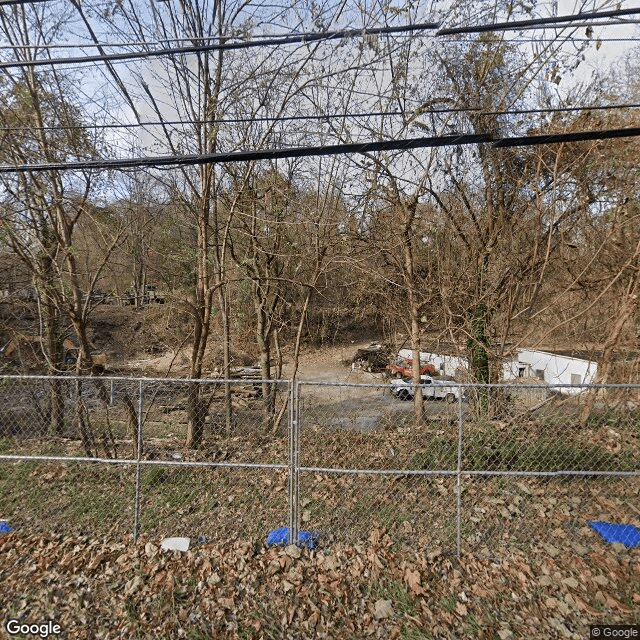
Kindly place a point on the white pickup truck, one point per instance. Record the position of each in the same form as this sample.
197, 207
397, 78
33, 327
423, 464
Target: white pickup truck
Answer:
431, 388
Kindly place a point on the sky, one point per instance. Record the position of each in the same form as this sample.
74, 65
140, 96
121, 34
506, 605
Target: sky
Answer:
599, 60
596, 60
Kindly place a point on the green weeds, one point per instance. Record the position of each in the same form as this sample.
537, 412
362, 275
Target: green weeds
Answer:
492, 451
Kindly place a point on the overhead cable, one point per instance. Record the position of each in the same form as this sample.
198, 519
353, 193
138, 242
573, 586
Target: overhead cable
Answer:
327, 150
10, 2
246, 156
165, 41
416, 113
263, 42
86, 44
578, 136
535, 22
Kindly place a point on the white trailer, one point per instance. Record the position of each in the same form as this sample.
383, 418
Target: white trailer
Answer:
551, 368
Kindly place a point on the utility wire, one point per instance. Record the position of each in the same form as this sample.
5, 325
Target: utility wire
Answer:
133, 43
593, 40
246, 156
165, 41
535, 22
245, 120
578, 136
416, 113
263, 42
327, 150
4, 3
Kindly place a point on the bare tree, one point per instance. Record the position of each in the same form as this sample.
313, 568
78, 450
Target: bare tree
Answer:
191, 95
43, 209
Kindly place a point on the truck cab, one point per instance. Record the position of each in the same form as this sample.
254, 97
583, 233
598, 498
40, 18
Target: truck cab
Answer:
431, 388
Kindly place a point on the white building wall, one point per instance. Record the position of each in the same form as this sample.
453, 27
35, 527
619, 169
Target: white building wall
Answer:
551, 368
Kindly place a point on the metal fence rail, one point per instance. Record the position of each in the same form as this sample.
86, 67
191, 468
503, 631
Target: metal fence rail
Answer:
502, 464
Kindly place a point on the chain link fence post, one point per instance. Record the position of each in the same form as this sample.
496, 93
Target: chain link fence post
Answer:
294, 491
459, 474
136, 524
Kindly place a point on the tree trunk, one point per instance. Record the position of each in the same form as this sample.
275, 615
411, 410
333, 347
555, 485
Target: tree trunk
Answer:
196, 415
415, 370
414, 314
226, 356
202, 311
263, 338
478, 354
56, 397
83, 427
625, 312
53, 352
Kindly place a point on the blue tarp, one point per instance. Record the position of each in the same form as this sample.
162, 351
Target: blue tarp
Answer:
5, 528
281, 536
627, 534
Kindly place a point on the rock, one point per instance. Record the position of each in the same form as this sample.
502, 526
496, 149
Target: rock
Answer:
175, 544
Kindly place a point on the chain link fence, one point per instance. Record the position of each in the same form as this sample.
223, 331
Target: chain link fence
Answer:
363, 465
479, 467
109, 455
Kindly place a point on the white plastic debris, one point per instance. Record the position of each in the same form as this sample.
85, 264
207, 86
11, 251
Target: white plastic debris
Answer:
175, 544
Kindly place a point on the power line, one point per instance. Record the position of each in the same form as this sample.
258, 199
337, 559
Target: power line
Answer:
338, 149
535, 22
261, 42
133, 43
173, 123
329, 116
593, 40
142, 43
519, 112
578, 136
4, 3
203, 39
246, 156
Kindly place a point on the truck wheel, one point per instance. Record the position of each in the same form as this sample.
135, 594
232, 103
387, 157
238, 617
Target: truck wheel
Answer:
450, 398
403, 394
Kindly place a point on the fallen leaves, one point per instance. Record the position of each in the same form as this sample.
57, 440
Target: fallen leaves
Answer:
383, 609
373, 589
412, 578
